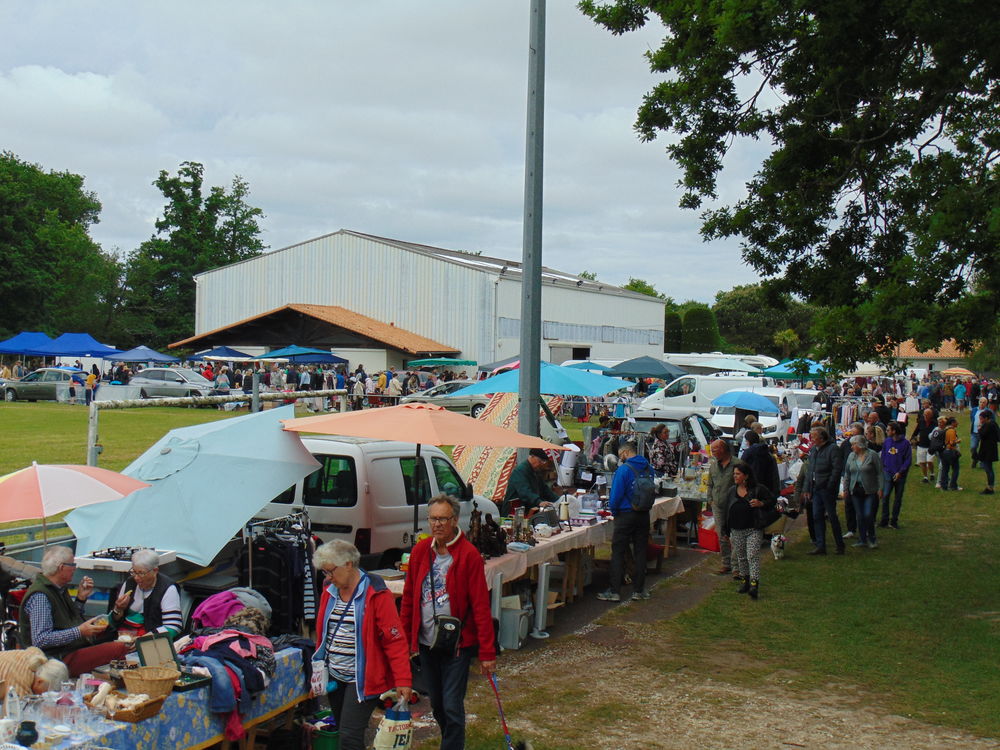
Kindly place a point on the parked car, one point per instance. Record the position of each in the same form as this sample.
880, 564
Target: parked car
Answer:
441, 395
693, 431
164, 382
43, 384
363, 493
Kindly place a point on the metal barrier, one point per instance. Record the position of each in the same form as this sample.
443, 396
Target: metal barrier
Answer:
39, 535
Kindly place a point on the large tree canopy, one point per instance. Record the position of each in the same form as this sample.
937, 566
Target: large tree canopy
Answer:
55, 277
197, 232
879, 198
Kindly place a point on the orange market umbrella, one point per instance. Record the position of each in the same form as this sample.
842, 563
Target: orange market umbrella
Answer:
43, 490
426, 424
960, 372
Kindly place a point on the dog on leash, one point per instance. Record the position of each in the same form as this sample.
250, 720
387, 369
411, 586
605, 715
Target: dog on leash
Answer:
778, 546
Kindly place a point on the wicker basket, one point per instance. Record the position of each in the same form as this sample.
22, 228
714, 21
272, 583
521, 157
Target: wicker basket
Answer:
142, 711
153, 681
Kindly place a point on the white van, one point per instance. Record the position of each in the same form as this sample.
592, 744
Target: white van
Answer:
786, 399
693, 394
363, 493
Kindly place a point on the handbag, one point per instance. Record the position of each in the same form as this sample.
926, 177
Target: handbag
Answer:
447, 630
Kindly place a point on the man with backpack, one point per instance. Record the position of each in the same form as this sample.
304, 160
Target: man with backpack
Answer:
632, 495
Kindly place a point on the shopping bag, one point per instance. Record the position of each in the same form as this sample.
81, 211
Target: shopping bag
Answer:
395, 731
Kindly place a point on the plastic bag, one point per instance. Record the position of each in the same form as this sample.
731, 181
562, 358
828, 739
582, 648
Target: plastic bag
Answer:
318, 680
395, 731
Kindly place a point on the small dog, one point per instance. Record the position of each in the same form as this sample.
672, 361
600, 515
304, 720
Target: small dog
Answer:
778, 546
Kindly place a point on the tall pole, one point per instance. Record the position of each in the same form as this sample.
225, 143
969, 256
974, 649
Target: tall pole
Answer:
531, 263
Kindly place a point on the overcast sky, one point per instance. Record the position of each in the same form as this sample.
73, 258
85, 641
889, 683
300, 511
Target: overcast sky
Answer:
392, 117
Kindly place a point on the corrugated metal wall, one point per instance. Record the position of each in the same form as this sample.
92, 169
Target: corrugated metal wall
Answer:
451, 304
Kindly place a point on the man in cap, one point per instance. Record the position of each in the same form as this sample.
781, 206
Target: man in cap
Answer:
527, 483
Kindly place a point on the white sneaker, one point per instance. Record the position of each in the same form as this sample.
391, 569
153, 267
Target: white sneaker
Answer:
848, 535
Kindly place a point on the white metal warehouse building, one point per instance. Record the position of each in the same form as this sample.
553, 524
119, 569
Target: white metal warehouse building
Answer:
469, 302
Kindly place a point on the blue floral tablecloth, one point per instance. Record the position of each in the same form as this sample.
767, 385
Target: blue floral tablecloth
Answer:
185, 720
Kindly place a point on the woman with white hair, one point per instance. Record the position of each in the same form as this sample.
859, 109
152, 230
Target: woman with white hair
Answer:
30, 671
148, 599
359, 638
862, 485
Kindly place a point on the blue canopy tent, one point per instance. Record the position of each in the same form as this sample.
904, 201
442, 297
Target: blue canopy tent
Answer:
293, 350
75, 345
221, 352
25, 342
317, 359
787, 370
144, 354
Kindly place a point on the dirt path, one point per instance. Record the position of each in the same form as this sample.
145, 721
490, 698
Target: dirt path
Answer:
627, 700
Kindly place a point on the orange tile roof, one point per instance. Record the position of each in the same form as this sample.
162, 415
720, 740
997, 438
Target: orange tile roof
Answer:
948, 349
390, 335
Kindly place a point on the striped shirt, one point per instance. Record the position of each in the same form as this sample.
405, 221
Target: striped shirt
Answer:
341, 643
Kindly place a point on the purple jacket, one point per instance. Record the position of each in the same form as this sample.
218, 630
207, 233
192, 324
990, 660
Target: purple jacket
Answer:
896, 455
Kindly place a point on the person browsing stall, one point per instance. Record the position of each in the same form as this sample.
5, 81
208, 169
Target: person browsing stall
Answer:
446, 579
631, 525
148, 599
54, 622
527, 483
30, 672
361, 640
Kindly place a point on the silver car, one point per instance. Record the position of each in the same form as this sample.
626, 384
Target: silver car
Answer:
170, 382
42, 384
441, 395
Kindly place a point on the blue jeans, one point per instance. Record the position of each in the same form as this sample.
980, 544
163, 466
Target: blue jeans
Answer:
825, 504
897, 503
973, 444
864, 509
949, 470
446, 678
631, 531
988, 468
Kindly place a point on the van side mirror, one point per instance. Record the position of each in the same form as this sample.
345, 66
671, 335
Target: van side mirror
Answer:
468, 493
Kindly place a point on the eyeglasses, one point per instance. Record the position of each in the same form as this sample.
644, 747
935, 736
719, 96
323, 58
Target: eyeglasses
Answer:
329, 573
69, 565
439, 519
136, 573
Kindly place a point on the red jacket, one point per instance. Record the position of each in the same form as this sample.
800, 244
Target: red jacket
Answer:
467, 594
381, 656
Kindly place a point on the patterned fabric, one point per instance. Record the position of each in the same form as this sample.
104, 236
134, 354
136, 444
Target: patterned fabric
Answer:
185, 721
746, 551
489, 469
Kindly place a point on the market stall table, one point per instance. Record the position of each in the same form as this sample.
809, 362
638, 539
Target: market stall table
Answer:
185, 721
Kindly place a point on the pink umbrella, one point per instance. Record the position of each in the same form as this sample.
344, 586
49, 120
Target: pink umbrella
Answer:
44, 490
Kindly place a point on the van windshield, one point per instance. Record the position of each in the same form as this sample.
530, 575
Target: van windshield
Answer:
332, 485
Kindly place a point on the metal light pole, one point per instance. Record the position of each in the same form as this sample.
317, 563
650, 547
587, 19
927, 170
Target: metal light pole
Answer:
531, 264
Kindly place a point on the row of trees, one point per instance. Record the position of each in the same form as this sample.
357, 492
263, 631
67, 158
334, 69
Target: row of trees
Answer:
58, 279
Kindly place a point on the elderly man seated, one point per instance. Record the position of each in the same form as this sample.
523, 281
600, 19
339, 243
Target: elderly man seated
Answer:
54, 622
149, 600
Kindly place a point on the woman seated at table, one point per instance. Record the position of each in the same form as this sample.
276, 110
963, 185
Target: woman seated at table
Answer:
30, 671
148, 601
358, 628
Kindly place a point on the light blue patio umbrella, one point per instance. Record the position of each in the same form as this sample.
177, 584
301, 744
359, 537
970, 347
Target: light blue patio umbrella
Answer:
556, 380
206, 482
746, 400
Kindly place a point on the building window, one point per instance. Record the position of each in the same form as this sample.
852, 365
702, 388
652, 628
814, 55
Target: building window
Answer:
581, 352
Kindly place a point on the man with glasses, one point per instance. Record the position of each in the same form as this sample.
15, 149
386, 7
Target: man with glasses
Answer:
446, 577
54, 622
149, 601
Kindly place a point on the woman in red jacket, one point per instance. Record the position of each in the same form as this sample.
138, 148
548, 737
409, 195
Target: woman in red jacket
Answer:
456, 587
361, 640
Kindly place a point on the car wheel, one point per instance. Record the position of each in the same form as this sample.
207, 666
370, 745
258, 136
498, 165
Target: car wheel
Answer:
10, 395
142, 393
477, 409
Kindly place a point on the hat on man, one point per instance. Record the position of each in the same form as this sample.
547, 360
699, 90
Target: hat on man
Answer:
540, 455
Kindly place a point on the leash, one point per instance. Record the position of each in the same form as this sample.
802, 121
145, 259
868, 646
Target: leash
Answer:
503, 721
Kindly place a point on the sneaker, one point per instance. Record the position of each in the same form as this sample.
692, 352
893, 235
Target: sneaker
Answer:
640, 595
609, 596
987, 491
873, 544
849, 535
957, 489
894, 525
860, 544
817, 551
925, 480
931, 477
